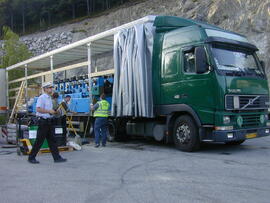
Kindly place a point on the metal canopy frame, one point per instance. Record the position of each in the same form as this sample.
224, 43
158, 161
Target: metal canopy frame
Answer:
67, 57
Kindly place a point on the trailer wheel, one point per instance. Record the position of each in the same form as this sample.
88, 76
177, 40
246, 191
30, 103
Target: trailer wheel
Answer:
19, 153
235, 142
111, 131
185, 134
121, 134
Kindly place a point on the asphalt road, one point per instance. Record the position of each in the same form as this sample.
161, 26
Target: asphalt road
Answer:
141, 171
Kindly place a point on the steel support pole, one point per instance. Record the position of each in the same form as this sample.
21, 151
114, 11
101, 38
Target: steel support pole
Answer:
7, 88
51, 60
89, 72
26, 85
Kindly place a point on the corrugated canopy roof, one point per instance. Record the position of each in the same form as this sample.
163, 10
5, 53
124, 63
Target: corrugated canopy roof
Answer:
77, 51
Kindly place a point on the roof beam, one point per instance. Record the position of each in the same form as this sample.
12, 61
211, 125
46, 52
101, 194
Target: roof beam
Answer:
74, 66
78, 65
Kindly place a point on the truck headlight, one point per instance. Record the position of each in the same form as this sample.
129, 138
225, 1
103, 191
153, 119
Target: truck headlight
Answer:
223, 127
226, 119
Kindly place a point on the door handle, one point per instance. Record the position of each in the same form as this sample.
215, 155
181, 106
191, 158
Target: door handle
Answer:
182, 96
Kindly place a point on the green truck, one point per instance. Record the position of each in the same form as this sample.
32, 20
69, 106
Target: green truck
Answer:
208, 86
175, 79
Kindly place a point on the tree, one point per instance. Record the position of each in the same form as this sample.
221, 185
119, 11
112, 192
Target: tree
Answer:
2, 14
18, 13
88, 7
49, 8
14, 51
11, 7
21, 6
8, 13
71, 5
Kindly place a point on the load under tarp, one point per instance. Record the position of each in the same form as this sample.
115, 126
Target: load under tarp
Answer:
132, 91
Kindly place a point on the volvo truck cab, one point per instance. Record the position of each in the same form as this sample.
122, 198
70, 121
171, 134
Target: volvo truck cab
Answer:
209, 83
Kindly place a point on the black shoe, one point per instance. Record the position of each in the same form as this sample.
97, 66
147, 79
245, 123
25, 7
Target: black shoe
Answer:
33, 161
60, 160
97, 145
103, 145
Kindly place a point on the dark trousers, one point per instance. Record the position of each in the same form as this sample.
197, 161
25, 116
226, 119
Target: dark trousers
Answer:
101, 130
45, 130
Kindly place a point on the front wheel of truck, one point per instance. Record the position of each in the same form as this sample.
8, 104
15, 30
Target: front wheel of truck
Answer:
185, 134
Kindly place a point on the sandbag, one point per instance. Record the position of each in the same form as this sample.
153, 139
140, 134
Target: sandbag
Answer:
11, 130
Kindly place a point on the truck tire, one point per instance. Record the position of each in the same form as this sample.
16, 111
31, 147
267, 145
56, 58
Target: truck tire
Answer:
235, 142
111, 131
185, 134
121, 134
19, 153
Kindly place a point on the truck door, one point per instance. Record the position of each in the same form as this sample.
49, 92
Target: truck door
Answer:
170, 77
197, 90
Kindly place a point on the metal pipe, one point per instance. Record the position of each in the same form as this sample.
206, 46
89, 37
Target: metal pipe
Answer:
89, 72
51, 60
26, 85
7, 94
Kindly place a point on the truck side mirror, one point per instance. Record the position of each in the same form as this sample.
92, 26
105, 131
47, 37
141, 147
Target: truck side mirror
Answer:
263, 65
200, 60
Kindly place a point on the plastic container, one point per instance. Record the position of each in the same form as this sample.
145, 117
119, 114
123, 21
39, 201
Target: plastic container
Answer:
33, 136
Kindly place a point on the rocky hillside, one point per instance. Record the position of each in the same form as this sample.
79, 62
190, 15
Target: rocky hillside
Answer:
248, 17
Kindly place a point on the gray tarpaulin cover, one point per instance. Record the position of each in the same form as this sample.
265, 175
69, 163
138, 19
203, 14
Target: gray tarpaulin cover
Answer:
132, 91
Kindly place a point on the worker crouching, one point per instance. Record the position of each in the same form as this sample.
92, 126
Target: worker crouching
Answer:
101, 114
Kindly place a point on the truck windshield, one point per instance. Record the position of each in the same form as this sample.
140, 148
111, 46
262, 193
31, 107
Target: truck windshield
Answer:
235, 61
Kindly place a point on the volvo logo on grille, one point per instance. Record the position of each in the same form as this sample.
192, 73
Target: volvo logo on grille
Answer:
250, 102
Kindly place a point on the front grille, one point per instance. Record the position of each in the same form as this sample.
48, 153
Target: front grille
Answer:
247, 102
251, 121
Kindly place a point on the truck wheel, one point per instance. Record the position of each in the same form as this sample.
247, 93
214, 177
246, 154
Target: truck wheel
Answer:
235, 142
19, 153
111, 131
121, 134
185, 134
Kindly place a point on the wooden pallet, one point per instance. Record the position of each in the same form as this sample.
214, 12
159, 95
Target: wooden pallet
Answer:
61, 149
28, 147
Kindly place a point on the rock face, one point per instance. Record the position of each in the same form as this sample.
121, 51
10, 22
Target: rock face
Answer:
39, 45
248, 17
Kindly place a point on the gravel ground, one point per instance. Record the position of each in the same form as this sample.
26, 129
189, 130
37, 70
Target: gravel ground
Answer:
141, 171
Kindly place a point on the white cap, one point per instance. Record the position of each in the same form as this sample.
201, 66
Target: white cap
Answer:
47, 84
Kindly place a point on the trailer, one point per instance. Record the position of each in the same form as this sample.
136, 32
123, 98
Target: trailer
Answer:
170, 78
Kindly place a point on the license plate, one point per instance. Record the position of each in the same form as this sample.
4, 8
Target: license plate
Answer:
251, 135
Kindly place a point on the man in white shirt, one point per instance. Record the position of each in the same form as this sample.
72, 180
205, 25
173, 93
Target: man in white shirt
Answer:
45, 114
